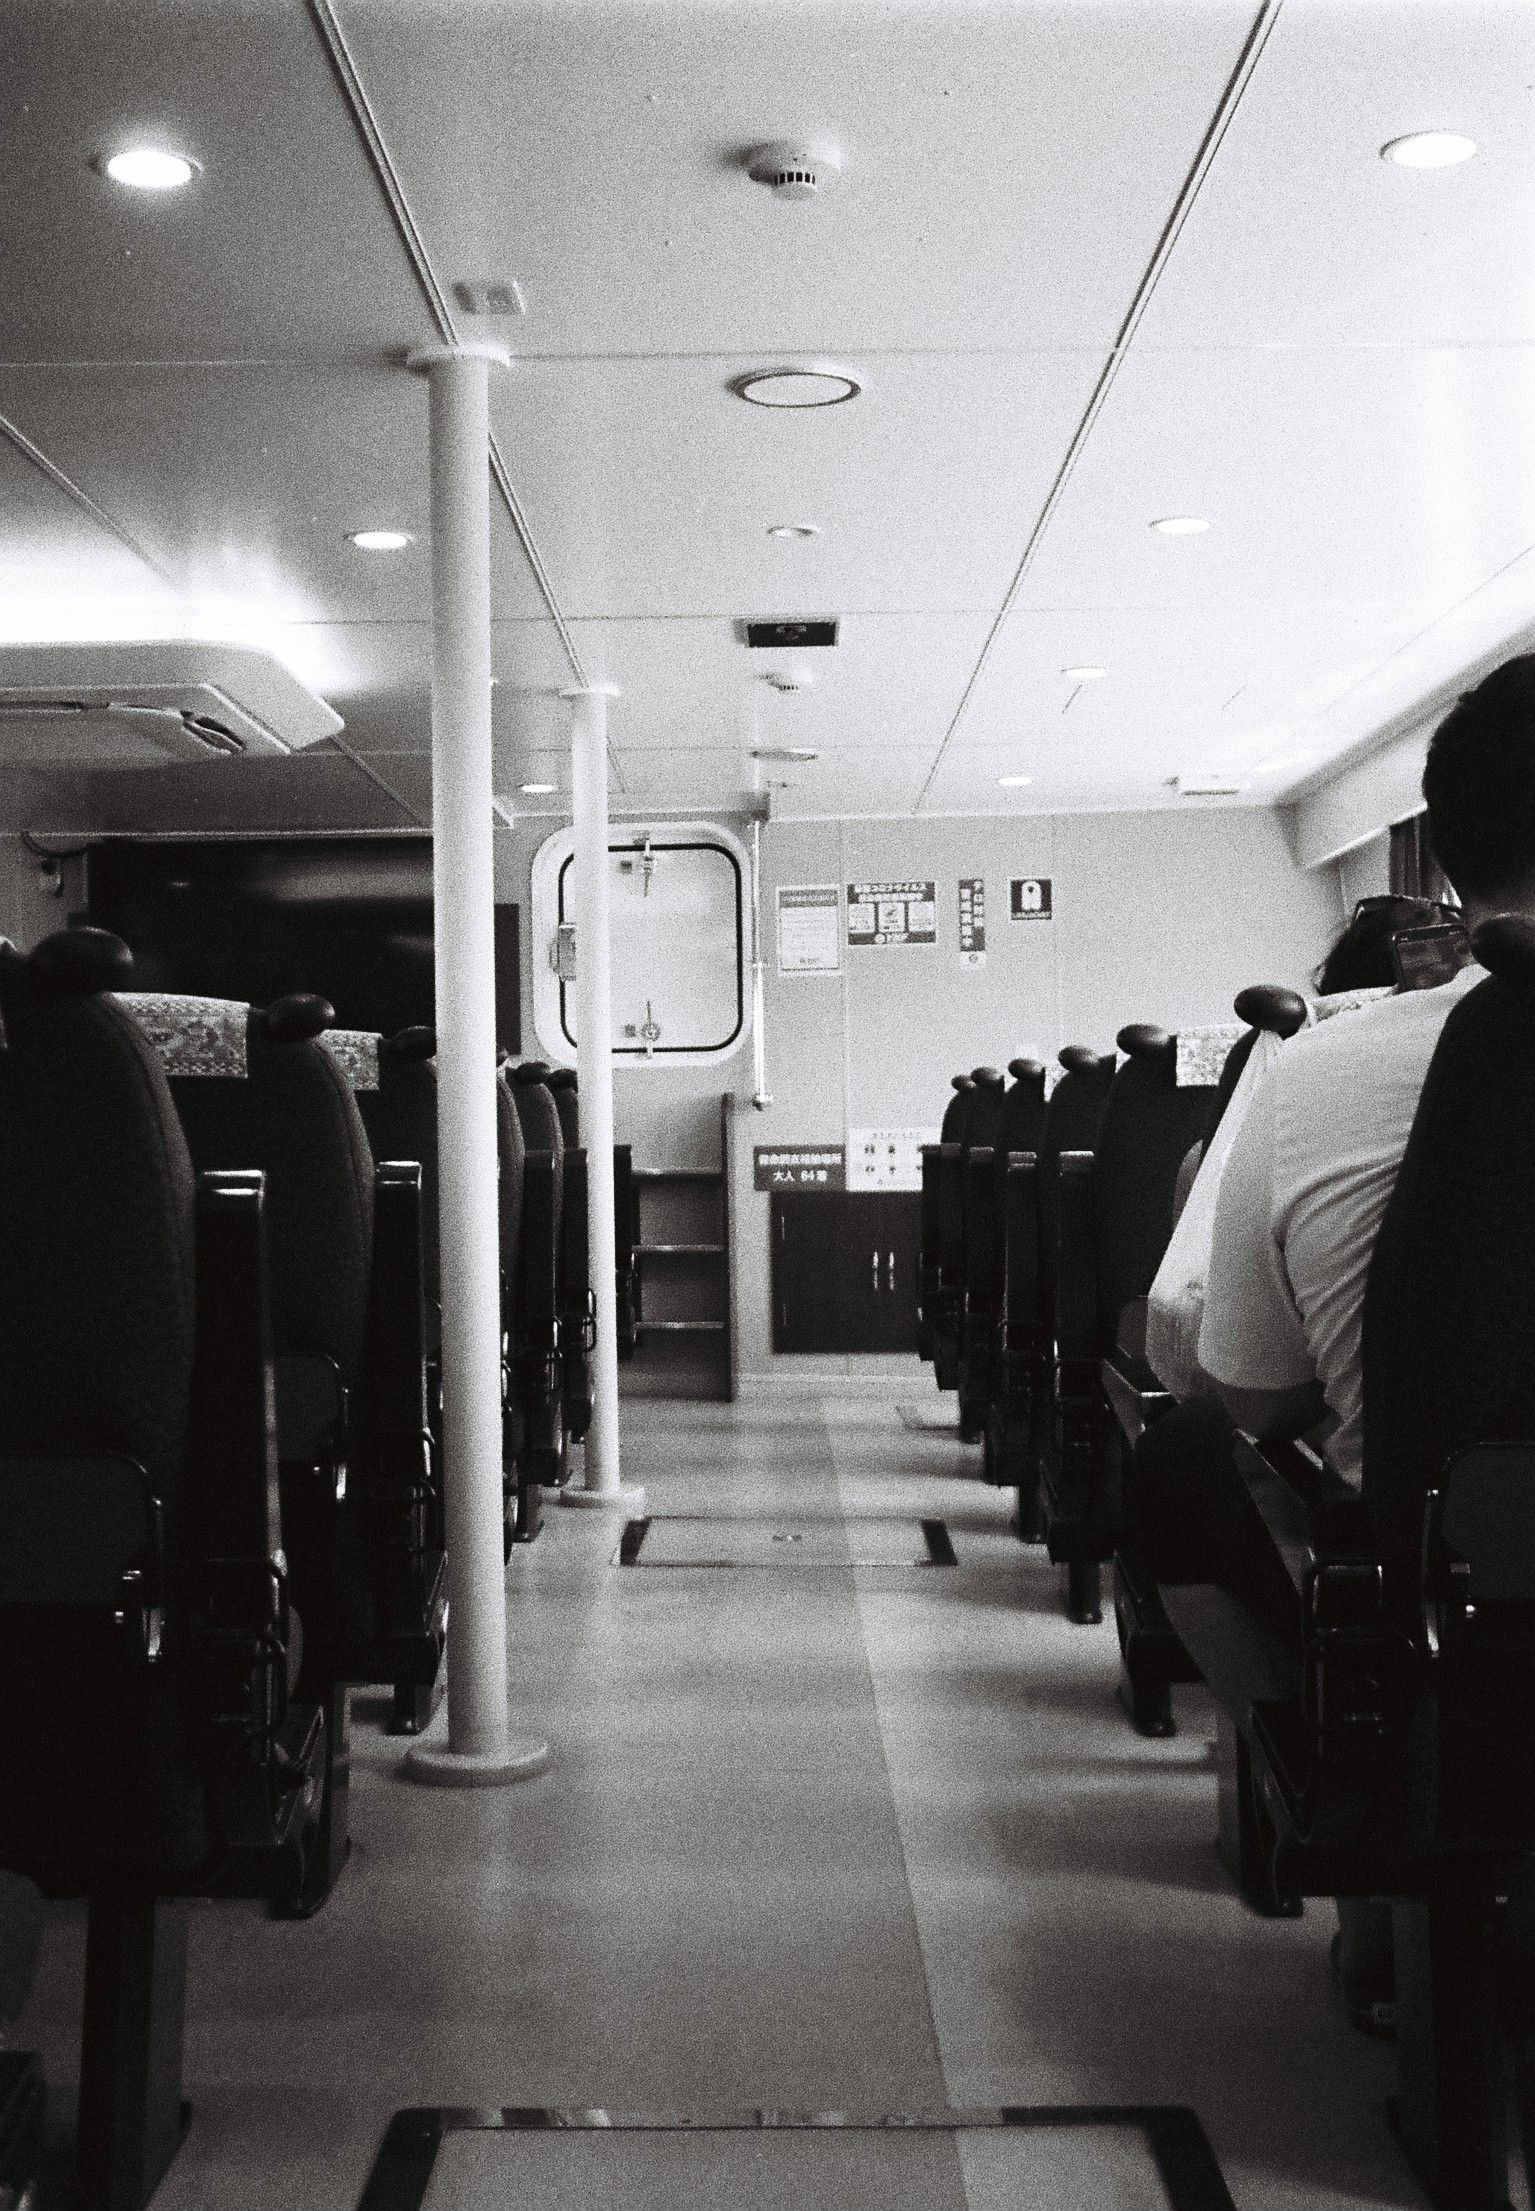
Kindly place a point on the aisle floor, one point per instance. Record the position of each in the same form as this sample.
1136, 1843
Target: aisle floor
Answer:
815, 1836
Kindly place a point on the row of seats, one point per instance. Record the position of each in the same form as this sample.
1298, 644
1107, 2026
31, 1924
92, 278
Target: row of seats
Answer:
220, 1430
1383, 1744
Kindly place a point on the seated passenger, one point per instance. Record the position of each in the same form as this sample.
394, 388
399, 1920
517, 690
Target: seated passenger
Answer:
1303, 1195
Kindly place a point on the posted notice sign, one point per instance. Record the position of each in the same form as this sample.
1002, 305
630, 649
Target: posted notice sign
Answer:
799, 1167
1029, 898
972, 921
809, 929
892, 913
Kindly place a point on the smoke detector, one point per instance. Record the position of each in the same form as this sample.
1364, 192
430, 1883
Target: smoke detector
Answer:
789, 680
794, 170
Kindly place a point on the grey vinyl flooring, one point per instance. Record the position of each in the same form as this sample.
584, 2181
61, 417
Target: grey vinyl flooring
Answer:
873, 1838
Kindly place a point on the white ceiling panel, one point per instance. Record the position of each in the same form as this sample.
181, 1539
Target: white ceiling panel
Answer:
1326, 476
61, 573
1208, 690
244, 482
651, 486
1007, 165
682, 779
1303, 235
281, 248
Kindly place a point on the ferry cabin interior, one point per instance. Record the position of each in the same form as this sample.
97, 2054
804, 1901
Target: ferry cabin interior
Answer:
1007, 488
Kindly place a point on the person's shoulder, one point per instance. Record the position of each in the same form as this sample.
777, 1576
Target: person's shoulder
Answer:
1384, 1039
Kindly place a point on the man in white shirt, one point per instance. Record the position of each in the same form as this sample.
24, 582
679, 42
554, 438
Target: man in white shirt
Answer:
1304, 1192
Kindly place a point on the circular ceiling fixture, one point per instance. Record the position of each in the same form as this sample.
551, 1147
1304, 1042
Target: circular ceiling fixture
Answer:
793, 170
1084, 675
379, 541
1181, 525
1428, 150
801, 753
1014, 782
148, 168
794, 529
813, 386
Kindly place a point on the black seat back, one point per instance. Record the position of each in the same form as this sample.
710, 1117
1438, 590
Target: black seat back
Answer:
98, 1322
563, 1088
1149, 1122
1265, 1007
294, 1117
1449, 1316
956, 1113
400, 1118
98, 1288
1023, 1108
1073, 1113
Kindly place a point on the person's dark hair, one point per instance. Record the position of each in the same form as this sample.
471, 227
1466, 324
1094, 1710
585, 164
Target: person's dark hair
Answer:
1361, 958
1479, 783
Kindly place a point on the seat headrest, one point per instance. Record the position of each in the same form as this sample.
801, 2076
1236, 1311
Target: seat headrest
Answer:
562, 1078
530, 1072
79, 963
1081, 1059
1505, 946
961, 1082
987, 1078
410, 1044
1270, 1006
1025, 1070
294, 1019
1144, 1040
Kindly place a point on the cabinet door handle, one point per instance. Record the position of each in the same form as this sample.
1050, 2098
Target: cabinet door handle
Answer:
890, 1265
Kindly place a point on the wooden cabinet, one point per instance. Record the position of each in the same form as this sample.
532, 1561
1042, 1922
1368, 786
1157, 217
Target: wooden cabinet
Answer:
845, 1269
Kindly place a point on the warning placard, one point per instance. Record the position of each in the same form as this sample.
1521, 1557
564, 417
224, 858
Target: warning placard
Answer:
1030, 898
892, 913
809, 933
972, 921
799, 1167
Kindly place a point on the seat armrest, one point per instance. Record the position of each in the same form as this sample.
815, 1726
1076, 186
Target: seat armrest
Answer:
1134, 1404
397, 1335
230, 1505
1306, 1504
229, 1537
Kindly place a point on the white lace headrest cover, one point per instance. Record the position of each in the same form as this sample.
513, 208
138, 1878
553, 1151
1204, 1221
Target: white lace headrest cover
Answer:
193, 1036
1202, 1054
1348, 1001
355, 1052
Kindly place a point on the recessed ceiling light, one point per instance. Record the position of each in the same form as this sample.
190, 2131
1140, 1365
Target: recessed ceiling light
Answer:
379, 541
1084, 675
785, 752
537, 790
148, 168
1181, 525
1428, 150
794, 529
796, 387
1014, 782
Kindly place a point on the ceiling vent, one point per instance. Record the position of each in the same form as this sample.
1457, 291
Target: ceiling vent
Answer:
792, 170
791, 636
134, 704
1204, 786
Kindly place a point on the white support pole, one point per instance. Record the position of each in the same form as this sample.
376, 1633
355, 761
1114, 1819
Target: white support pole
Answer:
480, 1749
594, 1062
